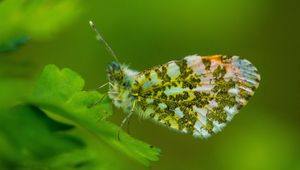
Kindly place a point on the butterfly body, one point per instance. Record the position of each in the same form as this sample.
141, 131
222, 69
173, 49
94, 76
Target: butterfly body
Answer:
196, 95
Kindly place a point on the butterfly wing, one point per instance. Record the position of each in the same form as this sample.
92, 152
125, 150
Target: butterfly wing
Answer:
196, 95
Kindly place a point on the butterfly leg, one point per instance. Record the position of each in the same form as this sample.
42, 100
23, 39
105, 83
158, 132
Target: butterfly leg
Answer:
98, 101
128, 127
105, 95
126, 119
104, 85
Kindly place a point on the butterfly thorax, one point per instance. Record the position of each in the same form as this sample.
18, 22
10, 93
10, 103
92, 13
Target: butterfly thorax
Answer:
121, 79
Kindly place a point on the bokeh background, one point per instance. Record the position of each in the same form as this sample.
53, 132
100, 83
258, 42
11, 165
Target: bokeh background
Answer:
264, 135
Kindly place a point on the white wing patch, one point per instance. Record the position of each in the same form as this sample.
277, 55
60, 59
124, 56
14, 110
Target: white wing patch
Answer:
173, 70
174, 90
154, 80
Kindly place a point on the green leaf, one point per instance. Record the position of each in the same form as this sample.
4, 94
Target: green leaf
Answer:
60, 91
28, 136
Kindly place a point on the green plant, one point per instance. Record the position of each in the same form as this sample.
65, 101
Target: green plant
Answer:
59, 124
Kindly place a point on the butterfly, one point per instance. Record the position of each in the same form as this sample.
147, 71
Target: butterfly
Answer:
196, 95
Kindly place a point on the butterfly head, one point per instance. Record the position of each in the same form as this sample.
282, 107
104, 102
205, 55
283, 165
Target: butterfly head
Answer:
115, 72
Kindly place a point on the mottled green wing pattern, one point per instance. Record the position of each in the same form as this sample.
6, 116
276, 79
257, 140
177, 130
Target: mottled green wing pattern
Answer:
196, 95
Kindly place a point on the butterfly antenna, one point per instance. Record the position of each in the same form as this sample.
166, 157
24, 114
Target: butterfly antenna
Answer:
101, 39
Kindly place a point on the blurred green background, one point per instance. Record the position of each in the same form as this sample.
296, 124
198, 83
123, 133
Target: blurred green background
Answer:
264, 135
